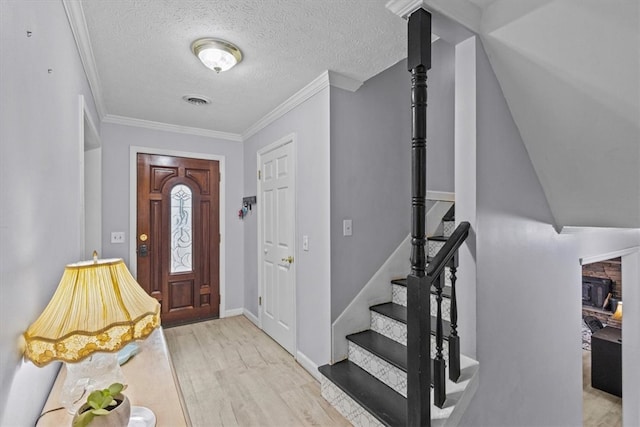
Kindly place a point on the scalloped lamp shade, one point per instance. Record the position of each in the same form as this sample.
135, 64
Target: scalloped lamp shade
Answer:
98, 307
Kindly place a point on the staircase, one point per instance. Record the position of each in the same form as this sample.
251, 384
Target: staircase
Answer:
370, 387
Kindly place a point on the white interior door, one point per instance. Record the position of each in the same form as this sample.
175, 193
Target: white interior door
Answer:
276, 207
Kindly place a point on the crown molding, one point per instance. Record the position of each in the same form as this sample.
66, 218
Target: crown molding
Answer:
343, 82
461, 11
148, 124
78, 24
319, 83
404, 8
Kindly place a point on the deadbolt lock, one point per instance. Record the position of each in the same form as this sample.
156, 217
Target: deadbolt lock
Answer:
143, 237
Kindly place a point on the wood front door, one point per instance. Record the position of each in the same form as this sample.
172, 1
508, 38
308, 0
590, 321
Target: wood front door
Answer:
178, 236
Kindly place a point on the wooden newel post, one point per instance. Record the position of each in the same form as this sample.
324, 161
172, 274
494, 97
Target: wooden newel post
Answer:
418, 287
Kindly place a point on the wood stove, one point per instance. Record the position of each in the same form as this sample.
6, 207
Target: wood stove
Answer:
595, 291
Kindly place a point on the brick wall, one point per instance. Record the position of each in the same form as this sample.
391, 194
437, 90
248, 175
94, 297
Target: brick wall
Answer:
610, 269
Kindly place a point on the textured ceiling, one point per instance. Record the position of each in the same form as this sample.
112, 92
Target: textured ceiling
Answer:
145, 65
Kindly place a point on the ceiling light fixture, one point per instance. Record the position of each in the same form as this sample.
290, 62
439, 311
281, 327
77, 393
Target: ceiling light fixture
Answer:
217, 55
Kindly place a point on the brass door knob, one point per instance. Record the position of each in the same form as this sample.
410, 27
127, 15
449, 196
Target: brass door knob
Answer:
288, 259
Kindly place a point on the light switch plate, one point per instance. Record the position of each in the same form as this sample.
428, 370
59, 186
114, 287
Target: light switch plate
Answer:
347, 229
305, 243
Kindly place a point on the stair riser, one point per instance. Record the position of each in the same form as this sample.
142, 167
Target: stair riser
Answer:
448, 227
433, 247
399, 296
384, 371
348, 407
397, 331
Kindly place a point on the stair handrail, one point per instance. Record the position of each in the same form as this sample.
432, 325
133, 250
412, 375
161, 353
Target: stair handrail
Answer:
447, 252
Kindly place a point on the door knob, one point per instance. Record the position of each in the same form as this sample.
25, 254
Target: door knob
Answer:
288, 259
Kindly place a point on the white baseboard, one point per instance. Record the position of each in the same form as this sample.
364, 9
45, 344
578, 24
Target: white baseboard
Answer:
308, 365
249, 315
232, 312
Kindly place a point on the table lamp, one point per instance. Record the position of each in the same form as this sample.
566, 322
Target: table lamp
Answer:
96, 310
617, 315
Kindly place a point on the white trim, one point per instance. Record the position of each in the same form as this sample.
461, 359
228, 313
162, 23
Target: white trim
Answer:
444, 196
308, 365
78, 24
252, 318
289, 139
464, 12
403, 8
315, 86
232, 312
81, 219
609, 255
343, 82
133, 189
166, 127
86, 133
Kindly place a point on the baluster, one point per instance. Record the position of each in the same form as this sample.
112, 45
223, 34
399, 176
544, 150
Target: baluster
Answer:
454, 339
439, 376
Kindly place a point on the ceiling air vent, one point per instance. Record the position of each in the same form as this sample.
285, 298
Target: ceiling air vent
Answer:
196, 99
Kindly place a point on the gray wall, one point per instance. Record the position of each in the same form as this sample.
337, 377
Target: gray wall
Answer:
528, 282
117, 140
40, 156
310, 123
371, 167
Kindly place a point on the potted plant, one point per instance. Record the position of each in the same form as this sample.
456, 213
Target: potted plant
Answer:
104, 408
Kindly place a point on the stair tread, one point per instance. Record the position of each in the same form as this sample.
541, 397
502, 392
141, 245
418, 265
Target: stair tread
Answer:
388, 406
383, 347
399, 312
451, 214
446, 291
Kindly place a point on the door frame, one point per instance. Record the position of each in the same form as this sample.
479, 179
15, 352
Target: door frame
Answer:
88, 139
630, 269
289, 139
133, 191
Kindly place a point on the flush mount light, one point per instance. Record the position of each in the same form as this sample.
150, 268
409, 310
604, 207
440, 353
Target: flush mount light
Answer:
217, 55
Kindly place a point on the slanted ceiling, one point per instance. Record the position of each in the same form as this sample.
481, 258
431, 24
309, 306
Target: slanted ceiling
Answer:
570, 72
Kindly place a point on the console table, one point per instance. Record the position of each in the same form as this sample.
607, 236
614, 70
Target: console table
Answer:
606, 360
151, 383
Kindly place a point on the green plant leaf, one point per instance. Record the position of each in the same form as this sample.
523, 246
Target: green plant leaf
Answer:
115, 388
100, 412
83, 419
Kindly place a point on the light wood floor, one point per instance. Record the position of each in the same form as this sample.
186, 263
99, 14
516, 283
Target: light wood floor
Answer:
599, 409
233, 374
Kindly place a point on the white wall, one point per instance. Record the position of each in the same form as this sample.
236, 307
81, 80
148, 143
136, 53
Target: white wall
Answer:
117, 140
40, 158
310, 123
528, 281
631, 339
371, 167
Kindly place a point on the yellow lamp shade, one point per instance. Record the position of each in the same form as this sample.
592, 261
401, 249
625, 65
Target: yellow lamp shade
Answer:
617, 315
98, 306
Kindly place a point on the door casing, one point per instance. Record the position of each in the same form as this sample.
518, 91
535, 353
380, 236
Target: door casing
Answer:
133, 186
291, 139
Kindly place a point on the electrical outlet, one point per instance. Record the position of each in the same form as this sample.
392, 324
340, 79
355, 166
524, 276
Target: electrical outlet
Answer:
117, 237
